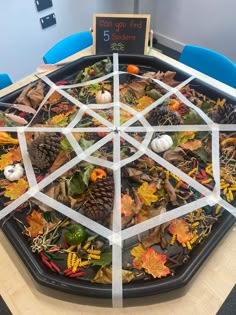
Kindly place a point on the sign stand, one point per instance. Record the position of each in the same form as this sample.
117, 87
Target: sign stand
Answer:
121, 33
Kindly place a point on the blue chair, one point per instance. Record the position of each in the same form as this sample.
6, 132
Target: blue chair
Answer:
210, 62
4, 80
68, 46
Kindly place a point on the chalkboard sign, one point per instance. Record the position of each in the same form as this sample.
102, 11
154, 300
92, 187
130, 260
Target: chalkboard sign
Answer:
121, 33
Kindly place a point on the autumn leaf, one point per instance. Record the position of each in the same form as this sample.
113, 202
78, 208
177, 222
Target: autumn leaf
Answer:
62, 158
143, 102
146, 193
127, 205
59, 120
36, 223
55, 97
186, 135
180, 228
5, 160
191, 145
124, 116
14, 155
15, 190
154, 263
137, 252
104, 275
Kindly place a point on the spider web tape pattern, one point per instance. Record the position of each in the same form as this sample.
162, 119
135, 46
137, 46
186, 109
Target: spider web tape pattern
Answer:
116, 131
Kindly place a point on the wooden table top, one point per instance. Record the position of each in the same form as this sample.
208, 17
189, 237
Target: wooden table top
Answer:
203, 295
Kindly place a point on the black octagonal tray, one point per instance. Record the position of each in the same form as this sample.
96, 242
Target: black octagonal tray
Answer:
197, 256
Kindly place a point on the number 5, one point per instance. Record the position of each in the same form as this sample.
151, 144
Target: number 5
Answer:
106, 36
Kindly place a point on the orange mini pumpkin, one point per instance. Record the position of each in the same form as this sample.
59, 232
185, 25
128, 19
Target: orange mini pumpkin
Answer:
174, 105
133, 69
97, 173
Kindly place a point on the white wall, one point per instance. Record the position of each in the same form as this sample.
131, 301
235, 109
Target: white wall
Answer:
207, 23
24, 42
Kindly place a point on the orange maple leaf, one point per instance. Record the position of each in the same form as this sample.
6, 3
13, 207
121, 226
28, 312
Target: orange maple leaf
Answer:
15, 190
36, 223
191, 145
154, 263
137, 252
146, 193
180, 228
127, 205
55, 97
16, 154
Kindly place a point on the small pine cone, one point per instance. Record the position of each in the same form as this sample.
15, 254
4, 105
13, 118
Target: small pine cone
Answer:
91, 136
164, 117
44, 150
225, 114
98, 203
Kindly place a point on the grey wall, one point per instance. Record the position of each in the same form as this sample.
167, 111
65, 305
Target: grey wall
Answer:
24, 42
208, 23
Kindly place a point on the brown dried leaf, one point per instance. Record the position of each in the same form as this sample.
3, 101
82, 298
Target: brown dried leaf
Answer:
170, 191
138, 88
36, 95
61, 159
176, 155
104, 276
191, 145
22, 98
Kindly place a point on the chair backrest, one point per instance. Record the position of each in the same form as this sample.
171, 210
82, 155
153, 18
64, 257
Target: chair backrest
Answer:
68, 46
210, 62
4, 80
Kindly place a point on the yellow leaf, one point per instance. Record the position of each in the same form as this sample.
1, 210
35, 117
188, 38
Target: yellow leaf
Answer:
59, 120
15, 190
144, 102
137, 252
146, 193
5, 160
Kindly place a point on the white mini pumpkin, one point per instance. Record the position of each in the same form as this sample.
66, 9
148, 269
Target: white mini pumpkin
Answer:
161, 144
103, 97
13, 172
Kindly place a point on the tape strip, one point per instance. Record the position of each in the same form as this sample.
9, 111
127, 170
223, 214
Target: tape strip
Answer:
117, 285
26, 160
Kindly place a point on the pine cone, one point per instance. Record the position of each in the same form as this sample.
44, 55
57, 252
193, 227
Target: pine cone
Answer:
162, 117
91, 136
99, 200
44, 150
225, 114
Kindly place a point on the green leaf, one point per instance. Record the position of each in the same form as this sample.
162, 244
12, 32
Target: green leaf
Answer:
87, 173
106, 259
201, 152
85, 144
65, 145
192, 118
76, 185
